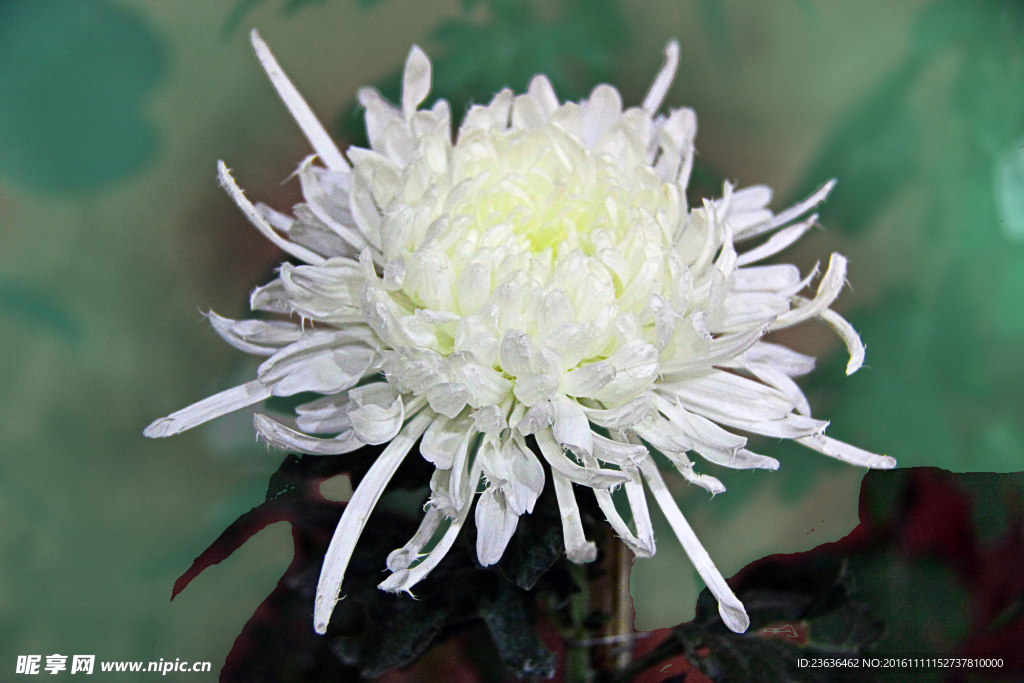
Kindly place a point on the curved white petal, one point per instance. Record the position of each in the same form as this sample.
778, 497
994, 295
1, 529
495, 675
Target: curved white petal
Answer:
729, 606
405, 579
663, 81
403, 557
415, 81
285, 438
570, 471
257, 219
849, 336
353, 519
495, 523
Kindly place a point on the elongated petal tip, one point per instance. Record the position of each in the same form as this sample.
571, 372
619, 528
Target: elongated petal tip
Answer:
324, 605
734, 616
161, 428
885, 462
663, 81
415, 81
582, 554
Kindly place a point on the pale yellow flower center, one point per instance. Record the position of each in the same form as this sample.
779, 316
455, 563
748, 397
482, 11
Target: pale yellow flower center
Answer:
549, 189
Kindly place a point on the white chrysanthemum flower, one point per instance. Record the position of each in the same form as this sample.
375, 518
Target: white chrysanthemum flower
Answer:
542, 276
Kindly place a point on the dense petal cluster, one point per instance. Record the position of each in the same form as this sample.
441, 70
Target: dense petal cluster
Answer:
535, 289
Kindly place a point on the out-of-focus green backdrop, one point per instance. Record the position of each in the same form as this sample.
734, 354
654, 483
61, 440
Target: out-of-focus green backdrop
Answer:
114, 237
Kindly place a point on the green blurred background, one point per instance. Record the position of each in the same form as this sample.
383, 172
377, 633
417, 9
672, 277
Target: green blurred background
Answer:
114, 237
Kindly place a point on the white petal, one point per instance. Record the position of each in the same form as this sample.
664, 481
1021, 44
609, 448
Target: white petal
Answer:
353, 519
489, 420
849, 336
828, 290
259, 337
663, 81
742, 459
729, 606
271, 297
404, 580
443, 439
542, 92
723, 394
725, 347
700, 429
279, 436
315, 363
495, 524
516, 352
586, 476
571, 428
791, 427
664, 435
527, 475
642, 544
330, 203
683, 465
777, 242
401, 558
539, 416
618, 452
325, 415
781, 381
847, 453
219, 404
486, 385
448, 398
764, 278
533, 388
577, 548
806, 205
415, 81
300, 111
641, 515
257, 219
375, 424
379, 113
779, 357
623, 416
601, 111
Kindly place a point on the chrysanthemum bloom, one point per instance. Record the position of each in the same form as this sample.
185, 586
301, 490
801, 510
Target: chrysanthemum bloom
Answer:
541, 276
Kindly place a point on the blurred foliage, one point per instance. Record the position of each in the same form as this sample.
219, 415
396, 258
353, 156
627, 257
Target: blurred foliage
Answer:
806, 609
74, 76
38, 310
496, 44
932, 571
372, 631
242, 8
944, 368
